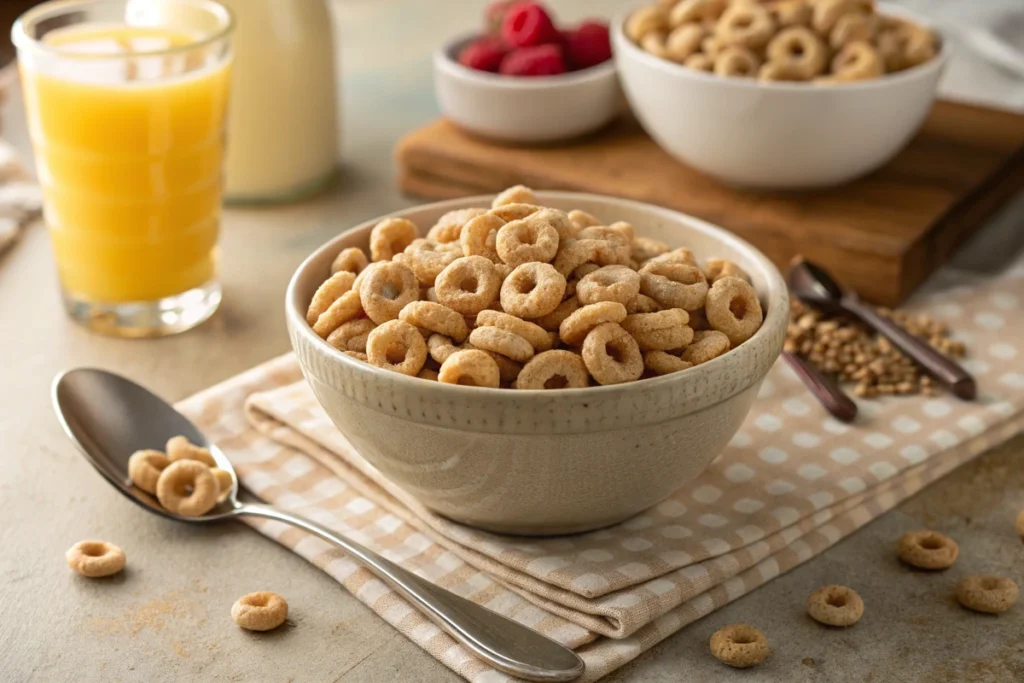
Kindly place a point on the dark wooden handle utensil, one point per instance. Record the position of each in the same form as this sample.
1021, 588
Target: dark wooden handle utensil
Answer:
828, 393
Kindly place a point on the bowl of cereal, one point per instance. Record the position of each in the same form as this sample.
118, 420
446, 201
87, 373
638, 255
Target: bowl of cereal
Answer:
541, 363
790, 94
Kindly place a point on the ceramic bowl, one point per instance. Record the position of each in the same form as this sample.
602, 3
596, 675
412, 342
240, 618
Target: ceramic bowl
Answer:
525, 109
776, 135
544, 462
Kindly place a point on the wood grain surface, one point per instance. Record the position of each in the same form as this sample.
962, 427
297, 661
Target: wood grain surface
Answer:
881, 235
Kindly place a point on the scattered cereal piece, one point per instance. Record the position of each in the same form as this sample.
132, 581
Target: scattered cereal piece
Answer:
261, 611
740, 646
95, 559
928, 550
987, 593
835, 606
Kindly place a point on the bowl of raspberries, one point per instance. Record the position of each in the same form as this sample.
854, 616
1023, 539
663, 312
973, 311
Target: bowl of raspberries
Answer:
526, 79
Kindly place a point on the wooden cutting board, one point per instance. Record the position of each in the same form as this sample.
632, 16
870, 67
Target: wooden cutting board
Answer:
881, 235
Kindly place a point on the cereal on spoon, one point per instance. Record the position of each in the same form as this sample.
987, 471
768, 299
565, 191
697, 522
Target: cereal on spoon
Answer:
523, 296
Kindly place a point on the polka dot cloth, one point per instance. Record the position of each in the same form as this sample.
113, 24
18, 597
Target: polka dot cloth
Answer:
791, 483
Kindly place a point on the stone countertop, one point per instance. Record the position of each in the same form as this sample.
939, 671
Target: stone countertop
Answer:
167, 616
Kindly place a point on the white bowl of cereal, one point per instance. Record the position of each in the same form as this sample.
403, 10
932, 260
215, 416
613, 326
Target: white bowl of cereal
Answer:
761, 98
556, 436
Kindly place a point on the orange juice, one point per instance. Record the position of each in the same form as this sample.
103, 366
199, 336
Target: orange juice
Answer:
130, 162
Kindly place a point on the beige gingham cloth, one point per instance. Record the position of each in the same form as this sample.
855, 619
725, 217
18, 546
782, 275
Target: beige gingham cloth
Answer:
790, 484
21, 199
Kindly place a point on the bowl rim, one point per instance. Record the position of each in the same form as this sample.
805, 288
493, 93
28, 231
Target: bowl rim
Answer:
634, 51
444, 60
774, 323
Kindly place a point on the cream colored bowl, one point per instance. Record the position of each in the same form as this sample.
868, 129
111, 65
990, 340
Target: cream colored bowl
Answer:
544, 462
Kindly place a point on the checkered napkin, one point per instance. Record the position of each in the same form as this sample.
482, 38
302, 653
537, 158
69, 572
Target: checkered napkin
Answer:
790, 484
21, 200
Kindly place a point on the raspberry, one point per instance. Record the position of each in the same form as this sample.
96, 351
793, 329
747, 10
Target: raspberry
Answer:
538, 60
587, 44
527, 24
494, 14
483, 54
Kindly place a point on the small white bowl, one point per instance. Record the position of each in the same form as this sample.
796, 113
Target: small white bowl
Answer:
776, 135
525, 109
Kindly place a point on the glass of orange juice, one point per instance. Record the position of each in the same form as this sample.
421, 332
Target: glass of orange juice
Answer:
127, 103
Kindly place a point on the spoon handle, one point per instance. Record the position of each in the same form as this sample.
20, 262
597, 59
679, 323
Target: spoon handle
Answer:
828, 393
504, 644
949, 373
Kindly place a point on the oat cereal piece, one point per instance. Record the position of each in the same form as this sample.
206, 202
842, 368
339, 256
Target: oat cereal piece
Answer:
95, 559
928, 550
435, 318
440, 347
856, 62
187, 488
180, 448
646, 20
449, 226
428, 374
609, 245
674, 285
391, 236
508, 369
351, 336
553, 320
352, 260
690, 11
717, 268
642, 303
479, 236
612, 355
699, 320
711, 47
681, 255
471, 368
334, 287
825, 13
559, 220
572, 254
144, 468
1020, 523
533, 238
890, 49
225, 482
655, 43
501, 341
852, 28
426, 259
578, 325
535, 334
664, 363
790, 13
773, 71
737, 61
358, 355
430, 294
532, 290
835, 606
514, 212
662, 331
554, 370
347, 307
397, 346
732, 308
261, 611
987, 593
386, 289
610, 283
745, 25
684, 41
700, 62
517, 194
739, 645
582, 219
644, 248
916, 42
799, 51
706, 345
469, 285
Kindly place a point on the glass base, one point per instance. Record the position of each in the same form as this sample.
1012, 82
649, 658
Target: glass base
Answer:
162, 317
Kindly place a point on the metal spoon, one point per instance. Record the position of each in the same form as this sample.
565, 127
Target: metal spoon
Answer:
109, 417
815, 287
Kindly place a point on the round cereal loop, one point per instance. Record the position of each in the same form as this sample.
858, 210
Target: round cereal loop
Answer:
655, 43
856, 62
825, 13
95, 559
1020, 523
532, 290
646, 20
426, 259
578, 325
440, 347
352, 260
347, 307
391, 236
480, 235
644, 248
358, 355
430, 294
471, 368
610, 283
664, 363
662, 331
987, 593
674, 285
799, 51
351, 336
852, 28
689, 11
916, 42
618, 235
514, 212
144, 468
508, 369
434, 317
684, 41
449, 226
732, 308
790, 12
706, 345
559, 220
928, 550
225, 482
584, 270
554, 370
397, 346
501, 341
517, 194
572, 254
773, 71
187, 488
530, 239
835, 606
581, 219
468, 285
329, 292
261, 611
711, 46
681, 255
700, 62
642, 303
612, 355
739, 645
428, 374
386, 289
180, 448
553, 320
890, 49
535, 334
746, 25
737, 61
717, 268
